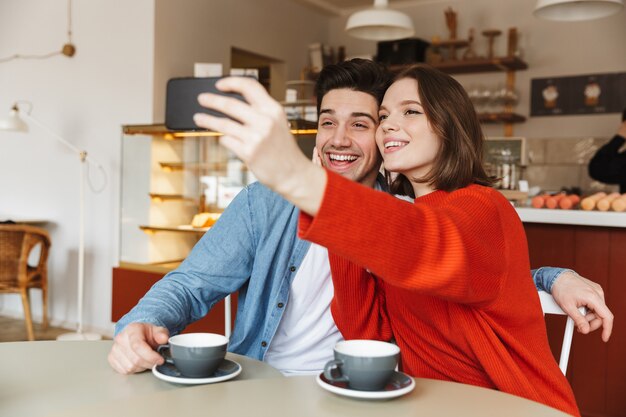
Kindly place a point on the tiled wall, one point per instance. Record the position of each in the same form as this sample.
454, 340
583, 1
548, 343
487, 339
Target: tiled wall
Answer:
557, 163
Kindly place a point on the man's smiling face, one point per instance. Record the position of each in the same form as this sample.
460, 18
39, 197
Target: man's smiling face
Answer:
346, 133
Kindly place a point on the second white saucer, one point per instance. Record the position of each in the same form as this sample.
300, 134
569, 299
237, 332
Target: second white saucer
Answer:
399, 384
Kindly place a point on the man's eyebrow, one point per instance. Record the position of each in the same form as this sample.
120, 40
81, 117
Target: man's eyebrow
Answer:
369, 116
354, 114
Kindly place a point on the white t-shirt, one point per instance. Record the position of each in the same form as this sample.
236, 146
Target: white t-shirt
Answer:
306, 334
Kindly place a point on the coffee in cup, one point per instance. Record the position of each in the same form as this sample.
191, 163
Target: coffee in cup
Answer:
365, 365
195, 355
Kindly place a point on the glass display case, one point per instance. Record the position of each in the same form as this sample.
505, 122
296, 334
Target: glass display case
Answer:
174, 185
168, 179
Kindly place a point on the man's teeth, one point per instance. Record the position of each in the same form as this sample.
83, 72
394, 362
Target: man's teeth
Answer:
342, 157
394, 144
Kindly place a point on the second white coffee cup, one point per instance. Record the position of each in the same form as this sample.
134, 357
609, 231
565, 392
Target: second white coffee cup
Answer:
365, 365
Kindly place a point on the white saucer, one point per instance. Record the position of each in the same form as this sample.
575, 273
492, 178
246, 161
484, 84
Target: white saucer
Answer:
167, 372
399, 384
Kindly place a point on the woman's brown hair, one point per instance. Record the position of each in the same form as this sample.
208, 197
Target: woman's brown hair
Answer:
452, 117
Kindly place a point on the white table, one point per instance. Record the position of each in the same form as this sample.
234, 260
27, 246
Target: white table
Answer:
65, 379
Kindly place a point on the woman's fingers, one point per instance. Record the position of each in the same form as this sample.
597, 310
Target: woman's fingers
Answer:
251, 90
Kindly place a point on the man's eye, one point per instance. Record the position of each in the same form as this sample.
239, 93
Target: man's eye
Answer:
326, 123
361, 125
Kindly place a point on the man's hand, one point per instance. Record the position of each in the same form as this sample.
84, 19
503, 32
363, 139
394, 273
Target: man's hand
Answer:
571, 291
134, 348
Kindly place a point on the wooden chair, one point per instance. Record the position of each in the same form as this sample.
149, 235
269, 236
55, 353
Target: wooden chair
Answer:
549, 306
16, 275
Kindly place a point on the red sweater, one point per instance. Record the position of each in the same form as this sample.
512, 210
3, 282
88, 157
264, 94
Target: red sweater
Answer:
449, 281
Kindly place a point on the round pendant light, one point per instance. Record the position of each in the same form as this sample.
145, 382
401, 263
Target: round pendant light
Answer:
576, 10
380, 23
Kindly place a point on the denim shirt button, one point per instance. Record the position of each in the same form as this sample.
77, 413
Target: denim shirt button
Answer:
264, 343
292, 269
280, 305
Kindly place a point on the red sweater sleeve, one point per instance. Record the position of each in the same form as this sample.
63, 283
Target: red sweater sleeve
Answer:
452, 250
367, 318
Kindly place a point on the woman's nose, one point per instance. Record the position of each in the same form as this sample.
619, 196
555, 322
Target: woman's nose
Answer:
388, 125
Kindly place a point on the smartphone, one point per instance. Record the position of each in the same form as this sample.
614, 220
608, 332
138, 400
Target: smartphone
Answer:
181, 101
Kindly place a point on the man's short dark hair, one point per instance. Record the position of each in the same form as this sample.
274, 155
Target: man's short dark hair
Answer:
356, 74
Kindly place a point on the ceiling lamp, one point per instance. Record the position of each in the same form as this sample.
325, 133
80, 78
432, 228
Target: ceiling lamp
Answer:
380, 23
576, 10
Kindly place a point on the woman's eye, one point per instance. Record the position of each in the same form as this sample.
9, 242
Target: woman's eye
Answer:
412, 111
382, 117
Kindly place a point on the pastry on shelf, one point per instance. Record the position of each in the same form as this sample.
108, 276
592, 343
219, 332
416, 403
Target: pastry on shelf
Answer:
205, 219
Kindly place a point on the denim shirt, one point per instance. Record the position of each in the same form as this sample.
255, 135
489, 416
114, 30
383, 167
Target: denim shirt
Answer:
253, 248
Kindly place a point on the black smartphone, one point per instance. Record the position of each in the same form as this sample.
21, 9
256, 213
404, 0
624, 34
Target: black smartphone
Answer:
181, 101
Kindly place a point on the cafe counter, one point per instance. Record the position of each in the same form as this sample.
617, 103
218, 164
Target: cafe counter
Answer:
592, 243
573, 217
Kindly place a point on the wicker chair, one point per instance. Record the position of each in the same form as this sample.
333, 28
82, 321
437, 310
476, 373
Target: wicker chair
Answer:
16, 275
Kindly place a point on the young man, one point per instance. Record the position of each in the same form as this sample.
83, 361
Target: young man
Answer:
284, 283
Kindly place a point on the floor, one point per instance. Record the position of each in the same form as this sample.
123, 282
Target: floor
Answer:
14, 330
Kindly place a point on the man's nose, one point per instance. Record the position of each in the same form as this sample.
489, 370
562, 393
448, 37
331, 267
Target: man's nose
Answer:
340, 137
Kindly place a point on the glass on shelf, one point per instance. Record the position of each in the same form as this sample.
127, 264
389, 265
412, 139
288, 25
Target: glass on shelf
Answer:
480, 96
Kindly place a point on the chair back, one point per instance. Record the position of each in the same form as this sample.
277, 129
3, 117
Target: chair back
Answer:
16, 242
549, 306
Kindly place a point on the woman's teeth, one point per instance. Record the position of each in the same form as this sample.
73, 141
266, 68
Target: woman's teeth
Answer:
394, 144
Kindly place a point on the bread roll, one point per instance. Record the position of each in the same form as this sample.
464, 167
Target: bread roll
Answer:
589, 203
604, 204
619, 204
204, 219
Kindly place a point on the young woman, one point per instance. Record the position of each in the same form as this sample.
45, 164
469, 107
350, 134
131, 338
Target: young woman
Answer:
447, 276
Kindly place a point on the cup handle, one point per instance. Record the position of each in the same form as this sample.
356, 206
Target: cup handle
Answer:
334, 367
164, 350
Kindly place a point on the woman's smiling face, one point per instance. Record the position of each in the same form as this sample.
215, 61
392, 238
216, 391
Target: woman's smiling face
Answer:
404, 137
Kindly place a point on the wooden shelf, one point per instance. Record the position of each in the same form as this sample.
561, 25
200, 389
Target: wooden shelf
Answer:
195, 166
159, 198
475, 65
457, 43
161, 130
179, 229
298, 127
501, 118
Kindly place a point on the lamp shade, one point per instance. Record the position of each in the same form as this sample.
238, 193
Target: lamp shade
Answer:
576, 10
380, 23
14, 122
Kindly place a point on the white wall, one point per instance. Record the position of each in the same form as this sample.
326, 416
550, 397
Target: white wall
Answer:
84, 99
126, 51
189, 31
550, 49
